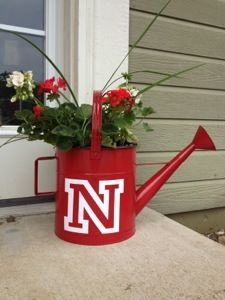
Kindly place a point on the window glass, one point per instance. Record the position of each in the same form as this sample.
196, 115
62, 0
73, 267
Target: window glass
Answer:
23, 13
17, 55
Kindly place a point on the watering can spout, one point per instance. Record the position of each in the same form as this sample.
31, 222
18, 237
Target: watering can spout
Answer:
145, 193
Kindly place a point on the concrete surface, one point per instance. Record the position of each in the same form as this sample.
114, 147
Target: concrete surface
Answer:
27, 210
164, 260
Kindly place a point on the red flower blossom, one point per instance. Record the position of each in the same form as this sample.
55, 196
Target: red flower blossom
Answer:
61, 83
119, 97
48, 86
37, 109
51, 86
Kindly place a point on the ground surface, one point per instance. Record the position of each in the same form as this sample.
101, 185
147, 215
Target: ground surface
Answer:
163, 261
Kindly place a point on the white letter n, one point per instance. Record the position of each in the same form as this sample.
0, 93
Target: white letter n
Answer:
83, 205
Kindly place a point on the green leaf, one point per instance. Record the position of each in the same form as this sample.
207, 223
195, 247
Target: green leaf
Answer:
84, 111
69, 106
139, 104
121, 122
52, 97
130, 117
50, 112
63, 130
109, 129
107, 142
51, 138
132, 139
24, 114
126, 76
64, 144
147, 127
146, 111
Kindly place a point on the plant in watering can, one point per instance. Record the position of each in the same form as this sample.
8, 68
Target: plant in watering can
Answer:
96, 199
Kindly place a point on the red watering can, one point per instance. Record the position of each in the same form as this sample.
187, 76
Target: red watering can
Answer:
96, 198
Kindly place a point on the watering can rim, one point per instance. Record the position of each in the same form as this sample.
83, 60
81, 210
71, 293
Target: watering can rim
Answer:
88, 148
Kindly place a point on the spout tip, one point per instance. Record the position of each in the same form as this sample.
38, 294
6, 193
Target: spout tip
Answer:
202, 140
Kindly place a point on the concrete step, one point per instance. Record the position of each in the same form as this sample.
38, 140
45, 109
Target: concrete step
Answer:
163, 260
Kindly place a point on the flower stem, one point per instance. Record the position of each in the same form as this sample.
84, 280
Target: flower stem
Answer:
57, 100
37, 101
13, 139
64, 96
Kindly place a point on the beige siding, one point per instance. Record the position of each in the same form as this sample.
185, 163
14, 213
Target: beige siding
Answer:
209, 12
190, 32
178, 36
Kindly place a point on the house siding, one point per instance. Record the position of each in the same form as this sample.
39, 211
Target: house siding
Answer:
188, 33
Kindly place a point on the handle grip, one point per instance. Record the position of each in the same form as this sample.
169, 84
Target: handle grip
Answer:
37, 193
96, 125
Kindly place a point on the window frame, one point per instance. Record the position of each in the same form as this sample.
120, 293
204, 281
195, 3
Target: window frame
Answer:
51, 14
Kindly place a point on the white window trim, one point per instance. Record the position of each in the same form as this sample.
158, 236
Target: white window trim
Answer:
23, 30
52, 7
8, 131
102, 41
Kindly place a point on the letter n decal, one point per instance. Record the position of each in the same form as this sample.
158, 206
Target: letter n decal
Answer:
110, 190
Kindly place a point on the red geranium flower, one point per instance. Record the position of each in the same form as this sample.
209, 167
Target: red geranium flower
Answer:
119, 97
48, 86
37, 109
61, 83
51, 86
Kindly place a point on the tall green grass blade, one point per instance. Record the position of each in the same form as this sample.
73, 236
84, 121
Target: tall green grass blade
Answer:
13, 139
141, 71
136, 42
150, 86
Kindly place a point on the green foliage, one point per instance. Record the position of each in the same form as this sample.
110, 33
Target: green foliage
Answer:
65, 126
118, 123
147, 127
69, 125
84, 111
62, 130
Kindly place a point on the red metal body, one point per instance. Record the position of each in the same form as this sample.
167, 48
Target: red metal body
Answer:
96, 201
84, 182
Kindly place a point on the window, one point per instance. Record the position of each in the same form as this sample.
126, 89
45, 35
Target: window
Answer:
26, 17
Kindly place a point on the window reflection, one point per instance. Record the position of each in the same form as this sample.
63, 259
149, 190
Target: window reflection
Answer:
23, 13
17, 55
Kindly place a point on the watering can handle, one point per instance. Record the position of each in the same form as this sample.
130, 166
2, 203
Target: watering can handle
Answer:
96, 125
36, 190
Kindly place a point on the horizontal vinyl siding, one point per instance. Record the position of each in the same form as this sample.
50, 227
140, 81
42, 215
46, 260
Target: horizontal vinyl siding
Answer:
189, 32
209, 12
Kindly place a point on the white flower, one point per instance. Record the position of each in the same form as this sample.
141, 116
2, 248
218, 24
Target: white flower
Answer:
134, 93
9, 81
16, 79
13, 99
29, 75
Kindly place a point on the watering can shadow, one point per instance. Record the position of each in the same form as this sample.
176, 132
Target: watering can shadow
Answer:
96, 198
